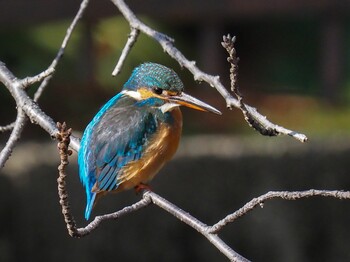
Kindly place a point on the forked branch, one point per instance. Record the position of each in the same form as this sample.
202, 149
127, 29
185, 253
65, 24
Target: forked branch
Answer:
32, 111
149, 197
253, 117
29, 109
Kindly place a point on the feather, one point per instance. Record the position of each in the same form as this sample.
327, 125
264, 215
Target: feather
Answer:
116, 136
132, 135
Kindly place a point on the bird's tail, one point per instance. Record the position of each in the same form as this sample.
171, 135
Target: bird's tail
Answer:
89, 205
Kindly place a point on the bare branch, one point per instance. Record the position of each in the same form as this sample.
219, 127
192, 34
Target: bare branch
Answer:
30, 108
210, 232
228, 44
60, 52
14, 137
151, 197
267, 128
148, 197
28, 81
63, 138
25, 103
251, 115
286, 195
24, 106
112, 216
127, 48
8, 127
196, 224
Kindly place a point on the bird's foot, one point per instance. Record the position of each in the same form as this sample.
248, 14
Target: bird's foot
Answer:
141, 187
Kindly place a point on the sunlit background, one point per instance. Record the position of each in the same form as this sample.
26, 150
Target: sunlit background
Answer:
293, 67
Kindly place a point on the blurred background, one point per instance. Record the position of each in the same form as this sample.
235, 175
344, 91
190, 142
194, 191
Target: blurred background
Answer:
293, 68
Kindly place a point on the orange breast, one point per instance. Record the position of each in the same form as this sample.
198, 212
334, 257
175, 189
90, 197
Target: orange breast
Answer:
161, 149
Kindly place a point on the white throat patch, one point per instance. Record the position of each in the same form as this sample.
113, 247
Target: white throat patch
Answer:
168, 107
134, 94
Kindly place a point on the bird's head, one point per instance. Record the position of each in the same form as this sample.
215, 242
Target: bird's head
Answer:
157, 85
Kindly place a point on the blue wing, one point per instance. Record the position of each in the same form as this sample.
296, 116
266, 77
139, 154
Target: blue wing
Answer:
117, 135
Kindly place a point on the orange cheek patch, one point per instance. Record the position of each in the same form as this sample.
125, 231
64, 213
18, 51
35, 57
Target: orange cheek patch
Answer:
145, 93
171, 93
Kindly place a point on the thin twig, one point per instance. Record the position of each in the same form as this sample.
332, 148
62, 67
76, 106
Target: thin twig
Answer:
8, 127
267, 128
14, 137
31, 108
112, 216
46, 75
60, 52
25, 103
127, 48
148, 197
16, 88
27, 106
63, 137
249, 116
228, 43
30, 80
286, 195
196, 224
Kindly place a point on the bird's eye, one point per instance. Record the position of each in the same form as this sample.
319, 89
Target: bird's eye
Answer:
157, 90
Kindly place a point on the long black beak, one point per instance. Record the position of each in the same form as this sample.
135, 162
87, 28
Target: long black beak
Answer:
189, 101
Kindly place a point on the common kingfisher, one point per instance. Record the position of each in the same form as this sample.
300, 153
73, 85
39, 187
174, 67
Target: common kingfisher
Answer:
135, 133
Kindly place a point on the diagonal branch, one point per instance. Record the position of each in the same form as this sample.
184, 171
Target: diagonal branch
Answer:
113, 216
28, 81
63, 137
60, 52
251, 115
127, 48
228, 44
286, 195
28, 105
8, 127
267, 128
195, 224
14, 137
25, 104
148, 197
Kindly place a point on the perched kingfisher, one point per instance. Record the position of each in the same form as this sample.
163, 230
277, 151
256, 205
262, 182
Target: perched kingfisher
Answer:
135, 133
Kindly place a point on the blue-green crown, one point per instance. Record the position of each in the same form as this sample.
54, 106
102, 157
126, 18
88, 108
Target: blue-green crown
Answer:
154, 75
